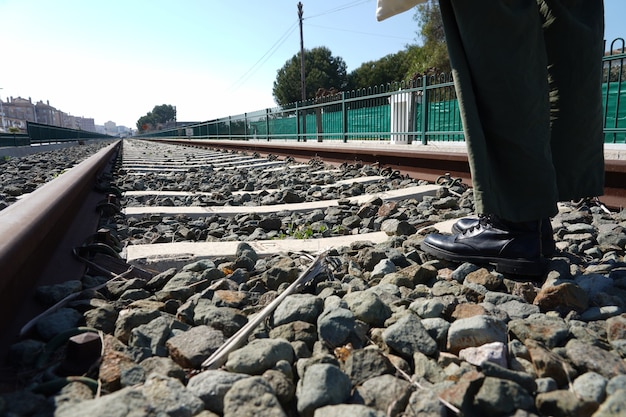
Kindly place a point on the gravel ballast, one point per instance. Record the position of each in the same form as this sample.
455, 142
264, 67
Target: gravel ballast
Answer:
388, 332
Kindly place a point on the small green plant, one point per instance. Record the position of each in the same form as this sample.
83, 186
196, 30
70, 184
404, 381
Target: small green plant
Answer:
56, 174
300, 232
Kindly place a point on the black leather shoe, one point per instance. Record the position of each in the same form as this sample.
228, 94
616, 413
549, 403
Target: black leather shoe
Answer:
512, 247
548, 246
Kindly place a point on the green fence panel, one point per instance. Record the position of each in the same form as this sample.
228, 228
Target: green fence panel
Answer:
614, 112
14, 140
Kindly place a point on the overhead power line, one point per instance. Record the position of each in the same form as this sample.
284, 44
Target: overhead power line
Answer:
378, 35
339, 8
255, 67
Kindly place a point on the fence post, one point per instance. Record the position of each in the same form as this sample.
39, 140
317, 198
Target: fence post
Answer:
267, 124
297, 123
344, 117
424, 110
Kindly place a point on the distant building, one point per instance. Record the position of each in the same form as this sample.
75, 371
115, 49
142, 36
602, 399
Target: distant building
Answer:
86, 123
17, 111
47, 114
110, 128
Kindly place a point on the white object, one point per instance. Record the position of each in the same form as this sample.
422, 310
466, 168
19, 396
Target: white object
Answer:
388, 8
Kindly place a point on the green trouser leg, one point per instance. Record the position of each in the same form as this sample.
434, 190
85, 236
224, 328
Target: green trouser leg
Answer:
528, 83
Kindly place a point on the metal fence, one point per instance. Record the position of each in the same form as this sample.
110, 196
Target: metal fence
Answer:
38, 133
424, 109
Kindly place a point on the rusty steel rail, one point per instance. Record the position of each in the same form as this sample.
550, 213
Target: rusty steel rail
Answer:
36, 246
419, 164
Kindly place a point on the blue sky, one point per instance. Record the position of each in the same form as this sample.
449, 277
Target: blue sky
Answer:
117, 59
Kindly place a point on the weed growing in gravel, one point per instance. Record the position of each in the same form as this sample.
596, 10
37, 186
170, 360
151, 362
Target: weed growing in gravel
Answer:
306, 231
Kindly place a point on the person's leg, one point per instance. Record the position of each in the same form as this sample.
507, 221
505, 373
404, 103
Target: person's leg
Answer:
499, 66
573, 33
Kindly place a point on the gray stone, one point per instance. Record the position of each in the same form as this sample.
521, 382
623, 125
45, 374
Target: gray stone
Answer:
427, 368
547, 364
298, 307
49, 295
385, 393
369, 257
600, 313
101, 318
252, 397
494, 352
117, 288
499, 396
614, 406
72, 393
170, 397
158, 281
335, 326
132, 375
395, 227
192, 347
516, 309
523, 379
283, 385
590, 358
154, 334
57, 322
210, 275
408, 335
351, 410
546, 384
615, 383
437, 328
425, 403
590, 386
322, 384
593, 284
363, 364
475, 331
427, 307
259, 356
461, 272
129, 319
382, 268
127, 402
296, 331
211, 386
547, 329
563, 403
163, 366
199, 266
368, 307
226, 319
134, 294
499, 298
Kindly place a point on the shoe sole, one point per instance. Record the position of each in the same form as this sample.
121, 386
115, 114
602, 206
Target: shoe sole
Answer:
504, 265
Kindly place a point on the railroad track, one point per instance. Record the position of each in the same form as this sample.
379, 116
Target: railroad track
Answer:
172, 229
413, 161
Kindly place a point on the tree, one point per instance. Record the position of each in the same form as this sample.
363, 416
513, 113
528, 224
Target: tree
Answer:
389, 69
159, 115
434, 52
322, 70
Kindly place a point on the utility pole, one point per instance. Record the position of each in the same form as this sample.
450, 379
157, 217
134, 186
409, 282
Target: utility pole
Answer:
302, 83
